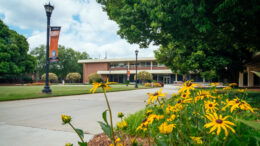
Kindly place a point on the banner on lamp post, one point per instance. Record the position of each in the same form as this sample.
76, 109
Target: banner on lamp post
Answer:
54, 36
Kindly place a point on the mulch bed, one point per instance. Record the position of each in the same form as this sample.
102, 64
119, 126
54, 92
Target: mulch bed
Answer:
103, 140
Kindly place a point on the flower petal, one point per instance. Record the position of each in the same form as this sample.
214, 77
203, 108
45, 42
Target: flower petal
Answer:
219, 129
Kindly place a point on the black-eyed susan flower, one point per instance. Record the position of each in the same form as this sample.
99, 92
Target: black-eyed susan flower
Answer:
153, 97
214, 84
239, 104
120, 115
227, 88
241, 90
123, 124
148, 112
218, 122
104, 85
196, 140
210, 106
185, 95
148, 121
171, 118
232, 84
187, 86
65, 119
68, 144
166, 128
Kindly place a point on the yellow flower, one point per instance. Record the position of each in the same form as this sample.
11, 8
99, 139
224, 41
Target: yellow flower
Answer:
68, 144
187, 100
166, 128
210, 106
187, 86
185, 95
171, 118
232, 84
149, 120
202, 94
218, 123
214, 84
241, 90
120, 115
196, 140
153, 97
105, 86
227, 88
148, 112
237, 103
65, 119
122, 124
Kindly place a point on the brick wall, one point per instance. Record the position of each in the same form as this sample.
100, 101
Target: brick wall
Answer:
89, 68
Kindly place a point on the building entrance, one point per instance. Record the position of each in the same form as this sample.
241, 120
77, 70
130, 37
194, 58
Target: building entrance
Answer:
166, 79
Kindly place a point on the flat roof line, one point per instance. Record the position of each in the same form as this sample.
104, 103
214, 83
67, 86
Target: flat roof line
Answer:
116, 60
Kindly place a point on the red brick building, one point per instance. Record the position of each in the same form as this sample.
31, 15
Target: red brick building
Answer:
116, 69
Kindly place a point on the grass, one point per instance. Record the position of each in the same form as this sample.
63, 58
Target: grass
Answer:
29, 92
134, 121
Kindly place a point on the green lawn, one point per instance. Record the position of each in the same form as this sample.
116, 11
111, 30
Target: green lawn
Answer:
27, 92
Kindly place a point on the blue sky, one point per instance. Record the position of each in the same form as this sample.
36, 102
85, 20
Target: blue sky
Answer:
85, 27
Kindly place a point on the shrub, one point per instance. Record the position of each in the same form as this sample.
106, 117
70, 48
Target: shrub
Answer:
155, 84
73, 77
147, 84
144, 76
52, 77
94, 77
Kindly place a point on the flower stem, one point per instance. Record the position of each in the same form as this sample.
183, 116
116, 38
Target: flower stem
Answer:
76, 132
110, 114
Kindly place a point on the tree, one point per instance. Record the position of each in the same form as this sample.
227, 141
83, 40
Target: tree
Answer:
94, 77
144, 76
198, 36
14, 60
68, 61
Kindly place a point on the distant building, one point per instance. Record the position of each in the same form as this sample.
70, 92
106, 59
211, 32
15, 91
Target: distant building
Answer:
247, 78
117, 69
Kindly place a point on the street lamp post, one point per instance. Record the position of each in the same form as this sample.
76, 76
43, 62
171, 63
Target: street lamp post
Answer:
48, 8
136, 53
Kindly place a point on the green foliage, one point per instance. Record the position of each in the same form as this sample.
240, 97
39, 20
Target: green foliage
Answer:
197, 36
68, 61
14, 59
256, 73
73, 77
134, 120
144, 76
94, 77
252, 124
52, 77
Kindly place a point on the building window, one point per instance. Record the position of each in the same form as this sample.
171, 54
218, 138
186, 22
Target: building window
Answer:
155, 64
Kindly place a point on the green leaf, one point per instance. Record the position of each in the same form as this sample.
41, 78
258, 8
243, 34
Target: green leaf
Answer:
104, 116
80, 132
253, 124
83, 143
106, 128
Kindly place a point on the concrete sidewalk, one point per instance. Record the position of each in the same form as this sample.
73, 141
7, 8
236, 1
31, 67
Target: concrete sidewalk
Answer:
38, 121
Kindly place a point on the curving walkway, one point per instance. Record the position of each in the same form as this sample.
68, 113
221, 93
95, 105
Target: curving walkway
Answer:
37, 121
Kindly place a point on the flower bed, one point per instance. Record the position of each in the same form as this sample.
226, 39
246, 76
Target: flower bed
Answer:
191, 117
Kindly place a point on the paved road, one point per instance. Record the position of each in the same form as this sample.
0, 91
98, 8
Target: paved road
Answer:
37, 122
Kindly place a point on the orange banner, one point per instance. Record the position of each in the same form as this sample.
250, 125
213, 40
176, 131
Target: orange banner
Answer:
54, 36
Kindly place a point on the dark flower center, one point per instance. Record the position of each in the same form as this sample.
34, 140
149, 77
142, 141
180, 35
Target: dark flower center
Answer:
189, 84
237, 101
210, 105
184, 95
202, 94
219, 121
179, 101
155, 94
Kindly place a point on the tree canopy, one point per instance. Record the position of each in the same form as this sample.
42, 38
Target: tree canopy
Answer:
14, 59
208, 37
68, 61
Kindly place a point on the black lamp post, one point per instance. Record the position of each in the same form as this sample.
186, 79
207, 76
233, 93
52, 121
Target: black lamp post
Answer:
136, 53
48, 8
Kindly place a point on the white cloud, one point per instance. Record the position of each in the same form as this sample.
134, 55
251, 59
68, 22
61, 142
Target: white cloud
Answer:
93, 32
